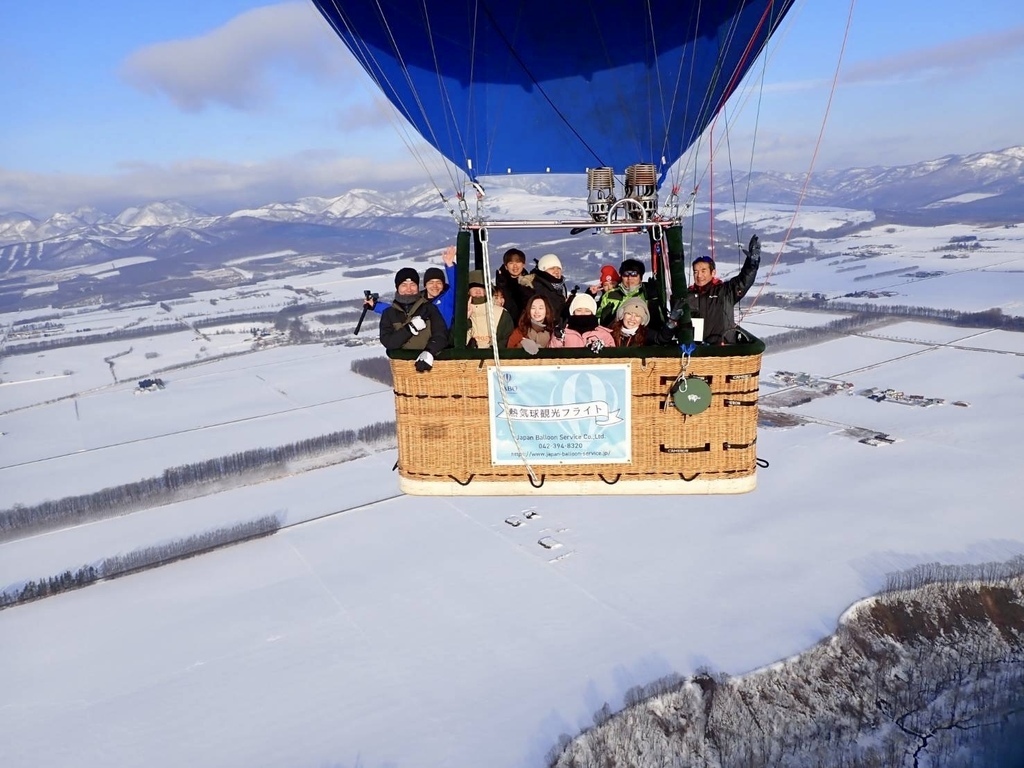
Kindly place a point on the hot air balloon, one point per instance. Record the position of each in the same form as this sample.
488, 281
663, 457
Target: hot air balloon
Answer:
619, 91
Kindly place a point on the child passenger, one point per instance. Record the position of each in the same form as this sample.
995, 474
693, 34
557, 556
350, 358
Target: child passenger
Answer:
581, 328
608, 282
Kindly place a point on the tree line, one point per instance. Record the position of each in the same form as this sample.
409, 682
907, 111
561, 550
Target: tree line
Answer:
989, 318
93, 338
929, 677
22, 520
139, 559
376, 368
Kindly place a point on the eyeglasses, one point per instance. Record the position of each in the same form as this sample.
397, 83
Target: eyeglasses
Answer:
630, 273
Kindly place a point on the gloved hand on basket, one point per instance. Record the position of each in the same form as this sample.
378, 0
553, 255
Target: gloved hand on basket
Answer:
424, 362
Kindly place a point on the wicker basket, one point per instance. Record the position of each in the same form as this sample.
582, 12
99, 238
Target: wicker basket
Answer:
443, 424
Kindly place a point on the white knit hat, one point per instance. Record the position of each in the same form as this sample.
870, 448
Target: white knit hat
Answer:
583, 301
548, 261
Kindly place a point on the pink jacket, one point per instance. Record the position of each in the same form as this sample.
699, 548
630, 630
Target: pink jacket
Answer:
576, 339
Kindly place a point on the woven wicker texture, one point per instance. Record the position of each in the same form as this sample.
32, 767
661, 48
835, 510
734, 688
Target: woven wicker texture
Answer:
444, 431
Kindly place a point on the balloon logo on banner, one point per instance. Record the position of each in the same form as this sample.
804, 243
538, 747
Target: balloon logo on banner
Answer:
586, 388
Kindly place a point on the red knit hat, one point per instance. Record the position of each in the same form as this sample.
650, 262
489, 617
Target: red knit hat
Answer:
608, 273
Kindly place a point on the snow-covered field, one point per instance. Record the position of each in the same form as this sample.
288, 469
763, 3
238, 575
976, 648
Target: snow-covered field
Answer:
405, 631
112, 436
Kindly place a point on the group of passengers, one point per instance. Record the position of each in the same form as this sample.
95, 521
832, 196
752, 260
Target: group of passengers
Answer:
534, 310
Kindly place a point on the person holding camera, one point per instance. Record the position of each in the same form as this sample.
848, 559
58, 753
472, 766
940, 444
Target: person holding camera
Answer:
438, 288
412, 321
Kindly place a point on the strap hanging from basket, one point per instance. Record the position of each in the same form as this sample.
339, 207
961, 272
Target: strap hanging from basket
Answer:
689, 394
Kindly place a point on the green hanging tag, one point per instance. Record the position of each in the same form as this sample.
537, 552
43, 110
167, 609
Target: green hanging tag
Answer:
692, 396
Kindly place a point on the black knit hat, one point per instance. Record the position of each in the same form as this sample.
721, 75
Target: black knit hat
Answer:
632, 265
406, 273
434, 273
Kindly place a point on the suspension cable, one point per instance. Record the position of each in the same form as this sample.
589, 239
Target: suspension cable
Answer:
810, 167
492, 331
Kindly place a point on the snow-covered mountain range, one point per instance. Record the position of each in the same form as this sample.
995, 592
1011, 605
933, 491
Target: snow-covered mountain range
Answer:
176, 242
988, 184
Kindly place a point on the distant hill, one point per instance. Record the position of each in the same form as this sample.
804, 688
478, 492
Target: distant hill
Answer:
180, 248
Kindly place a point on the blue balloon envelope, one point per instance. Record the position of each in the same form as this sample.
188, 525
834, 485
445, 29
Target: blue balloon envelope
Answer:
540, 86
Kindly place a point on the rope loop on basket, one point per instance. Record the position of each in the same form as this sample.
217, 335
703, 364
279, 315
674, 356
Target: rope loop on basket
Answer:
687, 350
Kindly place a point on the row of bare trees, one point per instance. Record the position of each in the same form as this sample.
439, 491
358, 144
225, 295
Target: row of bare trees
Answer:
137, 560
23, 520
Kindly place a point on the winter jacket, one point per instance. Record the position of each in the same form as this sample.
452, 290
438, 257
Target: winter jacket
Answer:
715, 302
638, 339
397, 333
610, 301
542, 284
478, 328
540, 336
517, 295
582, 335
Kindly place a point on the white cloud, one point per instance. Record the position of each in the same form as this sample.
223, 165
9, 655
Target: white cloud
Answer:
232, 65
953, 59
212, 185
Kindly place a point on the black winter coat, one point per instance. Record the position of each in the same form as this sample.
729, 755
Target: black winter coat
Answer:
716, 302
396, 333
553, 290
516, 295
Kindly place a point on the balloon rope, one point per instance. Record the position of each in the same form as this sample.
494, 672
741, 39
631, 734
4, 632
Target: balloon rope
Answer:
453, 124
396, 113
810, 167
485, 254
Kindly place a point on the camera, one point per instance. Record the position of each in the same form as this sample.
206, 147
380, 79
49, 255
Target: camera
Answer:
371, 296
673, 318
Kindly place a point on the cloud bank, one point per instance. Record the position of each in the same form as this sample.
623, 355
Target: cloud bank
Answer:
211, 185
233, 64
956, 59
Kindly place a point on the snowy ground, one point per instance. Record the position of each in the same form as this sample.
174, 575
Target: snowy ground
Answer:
407, 631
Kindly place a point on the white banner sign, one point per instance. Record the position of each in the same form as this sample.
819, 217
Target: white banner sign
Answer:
560, 414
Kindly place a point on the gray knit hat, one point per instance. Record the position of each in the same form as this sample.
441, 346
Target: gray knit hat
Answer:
637, 306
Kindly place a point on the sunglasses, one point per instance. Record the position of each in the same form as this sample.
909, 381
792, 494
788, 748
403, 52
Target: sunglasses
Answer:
630, 273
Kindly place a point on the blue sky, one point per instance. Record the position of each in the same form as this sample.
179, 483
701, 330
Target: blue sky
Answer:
228, 103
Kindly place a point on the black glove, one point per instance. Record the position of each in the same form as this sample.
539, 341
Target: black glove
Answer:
754, 250
673, 318
560, 330
595, 345
424, 362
